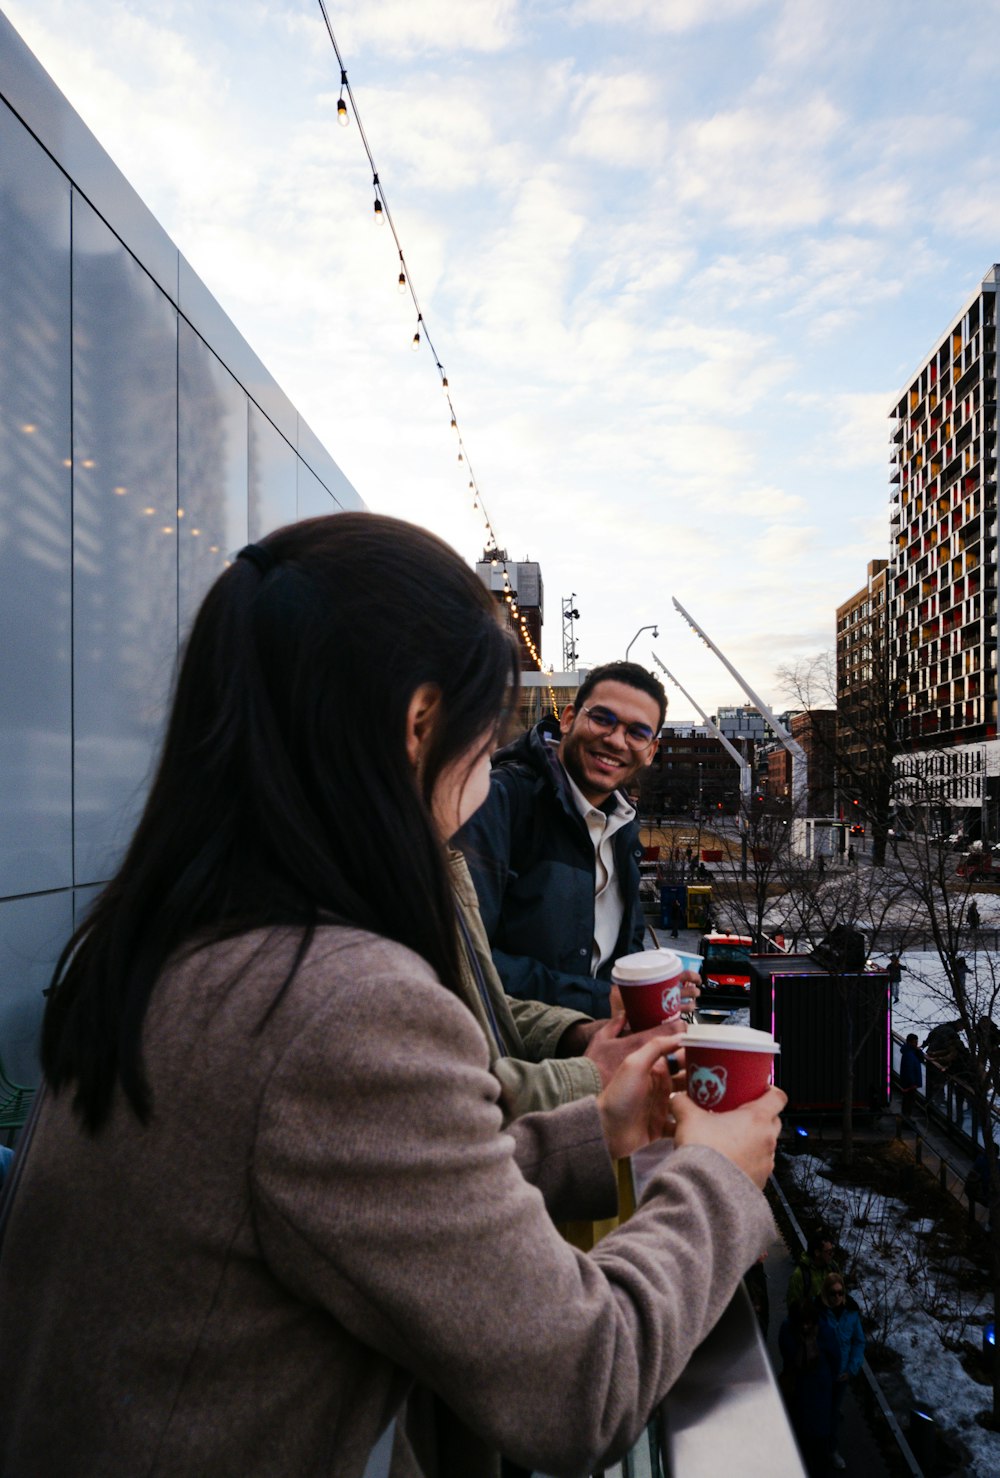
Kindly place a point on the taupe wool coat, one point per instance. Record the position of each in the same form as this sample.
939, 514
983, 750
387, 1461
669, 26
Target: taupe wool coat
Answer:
323, 1207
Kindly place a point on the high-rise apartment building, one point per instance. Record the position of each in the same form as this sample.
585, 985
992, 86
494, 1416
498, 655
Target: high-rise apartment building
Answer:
944, 579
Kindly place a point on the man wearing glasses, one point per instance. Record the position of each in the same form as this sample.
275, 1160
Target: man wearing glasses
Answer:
554, 851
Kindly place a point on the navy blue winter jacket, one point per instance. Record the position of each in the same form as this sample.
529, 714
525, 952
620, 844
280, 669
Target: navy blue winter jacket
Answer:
532, 861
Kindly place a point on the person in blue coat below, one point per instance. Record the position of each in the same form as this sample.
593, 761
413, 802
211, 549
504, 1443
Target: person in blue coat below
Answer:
811, 1363
910, 1074
843, 1319
554, 852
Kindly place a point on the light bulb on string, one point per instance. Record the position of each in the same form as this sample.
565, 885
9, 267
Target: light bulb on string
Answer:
343, 117
415, 345
378, 203
402, 282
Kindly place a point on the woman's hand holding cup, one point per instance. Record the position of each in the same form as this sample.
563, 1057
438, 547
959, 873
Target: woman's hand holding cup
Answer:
747, 1136
636, 1104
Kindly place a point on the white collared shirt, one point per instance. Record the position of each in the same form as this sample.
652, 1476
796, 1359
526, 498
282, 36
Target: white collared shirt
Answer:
608, 907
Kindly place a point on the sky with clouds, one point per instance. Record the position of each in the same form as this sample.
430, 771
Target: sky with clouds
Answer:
677, 258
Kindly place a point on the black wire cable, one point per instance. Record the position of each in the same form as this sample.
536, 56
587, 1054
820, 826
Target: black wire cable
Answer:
493, 546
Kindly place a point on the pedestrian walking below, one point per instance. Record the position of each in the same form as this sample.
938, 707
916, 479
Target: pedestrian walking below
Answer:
972, 916
811, 1359
895, 973
812, 1267
842, 1318
910, 1074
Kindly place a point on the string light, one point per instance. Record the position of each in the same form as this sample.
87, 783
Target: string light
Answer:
405, 285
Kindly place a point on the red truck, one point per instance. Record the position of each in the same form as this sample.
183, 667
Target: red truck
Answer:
726, 971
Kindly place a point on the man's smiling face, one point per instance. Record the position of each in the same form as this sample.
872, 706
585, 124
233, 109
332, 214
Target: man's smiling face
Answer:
601, 762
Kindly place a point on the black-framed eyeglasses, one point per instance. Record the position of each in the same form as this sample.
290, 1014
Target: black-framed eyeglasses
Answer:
836, 1293
606, 722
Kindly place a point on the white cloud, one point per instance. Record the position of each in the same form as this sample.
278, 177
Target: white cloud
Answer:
670, 16
761, 169
620, 120
856, 434
403, 27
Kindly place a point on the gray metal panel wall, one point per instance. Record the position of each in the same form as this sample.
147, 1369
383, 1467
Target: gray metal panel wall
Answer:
124, 536
131, 436
212, 457
35, 447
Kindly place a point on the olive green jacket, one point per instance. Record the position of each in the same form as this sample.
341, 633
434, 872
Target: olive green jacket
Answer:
524, 1060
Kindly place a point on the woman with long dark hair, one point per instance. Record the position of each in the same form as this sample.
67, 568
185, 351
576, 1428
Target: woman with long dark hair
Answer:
268, 1188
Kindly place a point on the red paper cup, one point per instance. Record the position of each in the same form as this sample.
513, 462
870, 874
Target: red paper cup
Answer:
728, 1065
650, 985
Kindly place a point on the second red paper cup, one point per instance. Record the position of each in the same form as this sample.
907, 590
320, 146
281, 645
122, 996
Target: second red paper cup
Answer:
650, 986
728, 1065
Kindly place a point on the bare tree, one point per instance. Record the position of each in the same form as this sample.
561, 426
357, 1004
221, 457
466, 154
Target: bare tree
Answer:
866, 741
755, 866
851, 910
942, 887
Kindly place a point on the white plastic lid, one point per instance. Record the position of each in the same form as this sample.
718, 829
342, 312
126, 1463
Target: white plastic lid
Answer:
735, 1038
649, 964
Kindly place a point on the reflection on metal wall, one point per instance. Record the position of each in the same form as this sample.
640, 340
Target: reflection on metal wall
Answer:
141, 441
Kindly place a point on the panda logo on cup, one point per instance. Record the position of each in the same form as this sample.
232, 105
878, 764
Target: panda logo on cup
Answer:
707, 1085
670, 1000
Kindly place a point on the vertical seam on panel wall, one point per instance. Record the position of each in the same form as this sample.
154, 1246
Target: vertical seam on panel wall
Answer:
177, 483
72, 553
298, 466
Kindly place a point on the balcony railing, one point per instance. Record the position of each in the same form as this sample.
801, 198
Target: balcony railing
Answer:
725, 1413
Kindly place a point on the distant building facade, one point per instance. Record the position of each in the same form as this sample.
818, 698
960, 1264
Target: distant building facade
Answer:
865, 675
943, 600
525, 612
689, 764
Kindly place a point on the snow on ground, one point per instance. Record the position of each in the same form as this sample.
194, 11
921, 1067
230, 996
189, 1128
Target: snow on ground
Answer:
925, 994
888, 1272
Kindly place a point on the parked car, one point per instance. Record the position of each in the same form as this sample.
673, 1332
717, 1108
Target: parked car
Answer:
726, 971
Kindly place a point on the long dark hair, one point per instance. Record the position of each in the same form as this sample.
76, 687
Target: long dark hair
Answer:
284, 793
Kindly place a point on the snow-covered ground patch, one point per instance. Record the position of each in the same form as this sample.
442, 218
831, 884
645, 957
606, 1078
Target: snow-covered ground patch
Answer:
915, 1300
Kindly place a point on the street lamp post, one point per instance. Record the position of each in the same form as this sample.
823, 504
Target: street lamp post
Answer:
698, 851
653, 629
